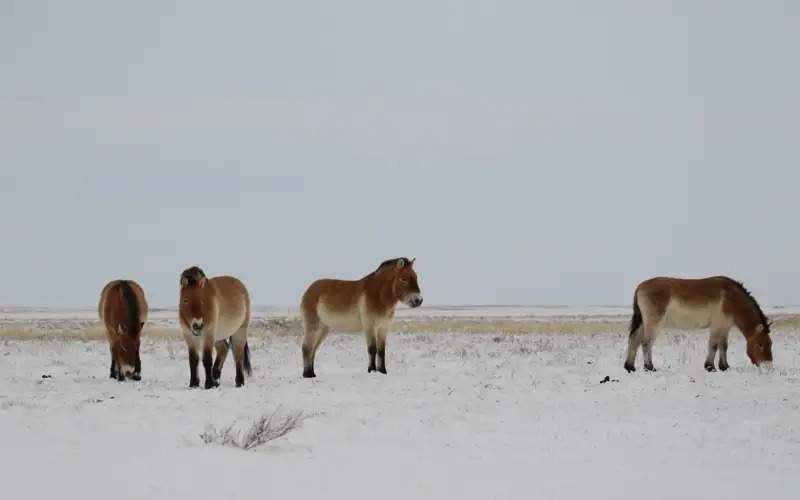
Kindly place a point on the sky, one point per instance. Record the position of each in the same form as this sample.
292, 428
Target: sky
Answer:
524, 152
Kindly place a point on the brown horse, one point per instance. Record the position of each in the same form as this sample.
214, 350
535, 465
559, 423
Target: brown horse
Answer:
214, 312
123, 311
717, 303
365, 305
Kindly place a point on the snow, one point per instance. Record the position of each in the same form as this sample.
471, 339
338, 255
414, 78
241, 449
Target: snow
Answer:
458, 416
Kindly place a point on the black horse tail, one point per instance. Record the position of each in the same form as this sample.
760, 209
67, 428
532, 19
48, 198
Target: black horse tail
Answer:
131, 306
636, 320
248, 369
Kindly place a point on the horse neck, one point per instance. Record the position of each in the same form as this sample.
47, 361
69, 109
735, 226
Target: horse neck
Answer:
745, 316
381, 287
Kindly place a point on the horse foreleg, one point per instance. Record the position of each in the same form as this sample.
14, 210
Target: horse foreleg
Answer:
194, 360
713, 345
372, 348
208, 358
381, 351
723, 350
137, 369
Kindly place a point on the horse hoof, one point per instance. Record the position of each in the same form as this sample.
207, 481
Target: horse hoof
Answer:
630, 368
710, 368
371, 369
649, 368
309, 374
382, 370
136, 376
210, 384
723, 368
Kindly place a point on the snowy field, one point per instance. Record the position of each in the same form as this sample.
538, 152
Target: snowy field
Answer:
459, 416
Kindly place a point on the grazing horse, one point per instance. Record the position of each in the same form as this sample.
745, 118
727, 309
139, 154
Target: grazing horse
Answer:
365, 305
214, 312
717, 303
123, 311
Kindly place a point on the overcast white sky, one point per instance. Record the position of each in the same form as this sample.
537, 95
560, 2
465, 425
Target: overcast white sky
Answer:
528, 152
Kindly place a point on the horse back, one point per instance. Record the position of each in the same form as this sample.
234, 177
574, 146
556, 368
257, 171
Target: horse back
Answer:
112, 304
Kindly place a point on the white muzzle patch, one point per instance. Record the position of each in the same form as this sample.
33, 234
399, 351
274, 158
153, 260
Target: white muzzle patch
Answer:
197, 326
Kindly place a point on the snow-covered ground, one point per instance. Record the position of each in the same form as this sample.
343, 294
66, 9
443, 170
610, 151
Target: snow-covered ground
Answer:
458, 416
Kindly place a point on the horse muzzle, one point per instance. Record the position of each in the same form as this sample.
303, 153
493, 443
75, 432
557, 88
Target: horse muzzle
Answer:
765, 367
414, 301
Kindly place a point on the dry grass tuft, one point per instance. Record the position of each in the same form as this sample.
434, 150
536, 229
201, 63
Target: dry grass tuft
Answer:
265, 429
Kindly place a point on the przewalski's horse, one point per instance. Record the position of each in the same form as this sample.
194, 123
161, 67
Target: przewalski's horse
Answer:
214, 312
717, 303
123, 311
365, 305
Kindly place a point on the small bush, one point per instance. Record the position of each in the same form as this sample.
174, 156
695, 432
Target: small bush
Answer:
266, 428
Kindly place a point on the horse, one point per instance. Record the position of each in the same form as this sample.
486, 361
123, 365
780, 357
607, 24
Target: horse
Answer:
717, 303
214, 312
366, 305
123, 311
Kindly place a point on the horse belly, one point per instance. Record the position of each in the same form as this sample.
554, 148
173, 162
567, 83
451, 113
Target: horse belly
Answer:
689, 316
227, 326
348, 320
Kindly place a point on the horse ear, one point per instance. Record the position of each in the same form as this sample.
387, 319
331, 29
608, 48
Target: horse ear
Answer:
401, 263
202, 282
412, 261
184, 281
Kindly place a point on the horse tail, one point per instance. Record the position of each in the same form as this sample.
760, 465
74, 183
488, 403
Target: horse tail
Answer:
636, 320
248, 369
131, 306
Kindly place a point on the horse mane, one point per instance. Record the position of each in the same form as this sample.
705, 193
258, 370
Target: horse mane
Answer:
390, 263
765, 322
193, 275
131, 307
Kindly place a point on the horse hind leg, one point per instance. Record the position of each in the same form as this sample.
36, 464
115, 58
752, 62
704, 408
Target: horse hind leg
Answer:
372, 348
634, 341
221, 347
241, 354
113, 371
314, 334
650, 334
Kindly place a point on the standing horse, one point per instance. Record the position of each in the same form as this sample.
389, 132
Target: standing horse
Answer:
214, 312
123, 311
717, 303
365, 305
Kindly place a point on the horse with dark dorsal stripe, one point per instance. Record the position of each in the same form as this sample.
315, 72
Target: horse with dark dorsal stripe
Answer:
366, 305
214, 313
123, 311
718, 303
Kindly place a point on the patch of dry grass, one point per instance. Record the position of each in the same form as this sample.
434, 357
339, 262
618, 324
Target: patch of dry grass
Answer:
260, 328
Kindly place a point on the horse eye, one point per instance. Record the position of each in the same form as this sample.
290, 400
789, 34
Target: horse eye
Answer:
185, 301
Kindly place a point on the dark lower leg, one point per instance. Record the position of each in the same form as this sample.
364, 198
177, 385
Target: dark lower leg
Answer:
207, 362
222, 353
238, 354
137, 369
308, 361
647, 351
381, 355
113, 370
372, 350
712, 353
723, 356
194, 360
633, 347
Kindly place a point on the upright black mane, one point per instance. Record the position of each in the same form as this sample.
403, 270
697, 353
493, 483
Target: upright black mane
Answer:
193, 275
761, 316
390, 263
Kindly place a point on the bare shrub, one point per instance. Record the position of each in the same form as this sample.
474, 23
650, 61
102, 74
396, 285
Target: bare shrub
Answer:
266, 428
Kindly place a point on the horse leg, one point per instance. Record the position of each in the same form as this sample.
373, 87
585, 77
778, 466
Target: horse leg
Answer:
194, 360
222, 353
372, 348
239, 340
634, 341
713, 345
314, 333
723, 350
208, 358
381, 345
137, 369
113, 371
650, 334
